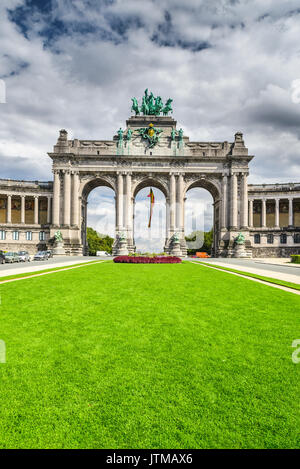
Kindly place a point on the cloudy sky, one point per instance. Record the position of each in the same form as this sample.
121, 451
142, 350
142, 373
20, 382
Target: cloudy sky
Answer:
229, 65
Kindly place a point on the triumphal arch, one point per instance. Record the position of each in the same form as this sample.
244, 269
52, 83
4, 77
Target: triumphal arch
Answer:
150, 151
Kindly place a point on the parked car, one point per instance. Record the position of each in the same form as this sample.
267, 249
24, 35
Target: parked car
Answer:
24, 256
2, 258
41, 256
50, 253
11, 257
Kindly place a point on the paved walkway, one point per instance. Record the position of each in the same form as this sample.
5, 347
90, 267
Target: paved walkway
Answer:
34, 275
35, 266
282, 261
255, 266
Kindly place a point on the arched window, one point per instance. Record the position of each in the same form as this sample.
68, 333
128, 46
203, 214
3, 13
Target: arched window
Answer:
257, 238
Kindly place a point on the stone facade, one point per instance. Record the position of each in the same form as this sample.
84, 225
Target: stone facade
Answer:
25, 215
174, 165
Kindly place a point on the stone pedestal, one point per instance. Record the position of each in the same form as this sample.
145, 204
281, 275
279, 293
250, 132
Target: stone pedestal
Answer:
59, 249
121, 249
175, 249
240, 251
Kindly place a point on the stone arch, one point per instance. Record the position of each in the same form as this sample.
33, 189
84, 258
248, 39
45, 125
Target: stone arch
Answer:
213, 186
153, 181
161, 184
86, 186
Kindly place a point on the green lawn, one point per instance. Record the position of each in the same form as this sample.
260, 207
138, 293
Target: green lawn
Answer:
148, 356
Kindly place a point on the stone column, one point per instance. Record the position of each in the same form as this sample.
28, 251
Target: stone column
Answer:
277, 213
128, 205
36, 209
23, 209
234, 195
119, 202
180, 203
67, 198
291, 215
263, 213
224, 202
49, 209
167, 218
183, 214
56, 199
75, 200
244, 207
172, 202
85, 243
250, 213
8, 209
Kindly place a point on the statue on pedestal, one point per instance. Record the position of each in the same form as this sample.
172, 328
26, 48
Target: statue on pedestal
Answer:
121, 248
175, 244
59, 249
239, 249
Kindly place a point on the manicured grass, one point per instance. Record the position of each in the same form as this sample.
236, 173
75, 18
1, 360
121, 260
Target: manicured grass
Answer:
148, 356
276, 281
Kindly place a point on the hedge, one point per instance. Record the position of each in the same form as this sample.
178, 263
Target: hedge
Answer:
296, 258
147, 260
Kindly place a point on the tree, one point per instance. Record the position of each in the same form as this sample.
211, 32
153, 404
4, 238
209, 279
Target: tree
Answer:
98, 242
205, 239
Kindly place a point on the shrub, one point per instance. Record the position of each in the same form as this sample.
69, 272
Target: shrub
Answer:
295, 258
147, 260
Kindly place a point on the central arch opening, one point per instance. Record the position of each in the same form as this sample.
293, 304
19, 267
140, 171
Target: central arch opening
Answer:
199, 220
149, 238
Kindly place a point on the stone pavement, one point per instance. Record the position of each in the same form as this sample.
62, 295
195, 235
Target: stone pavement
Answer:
277, 270
276, 261
31, 267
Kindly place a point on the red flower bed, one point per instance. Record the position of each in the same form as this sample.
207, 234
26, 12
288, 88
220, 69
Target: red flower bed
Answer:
147, 260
